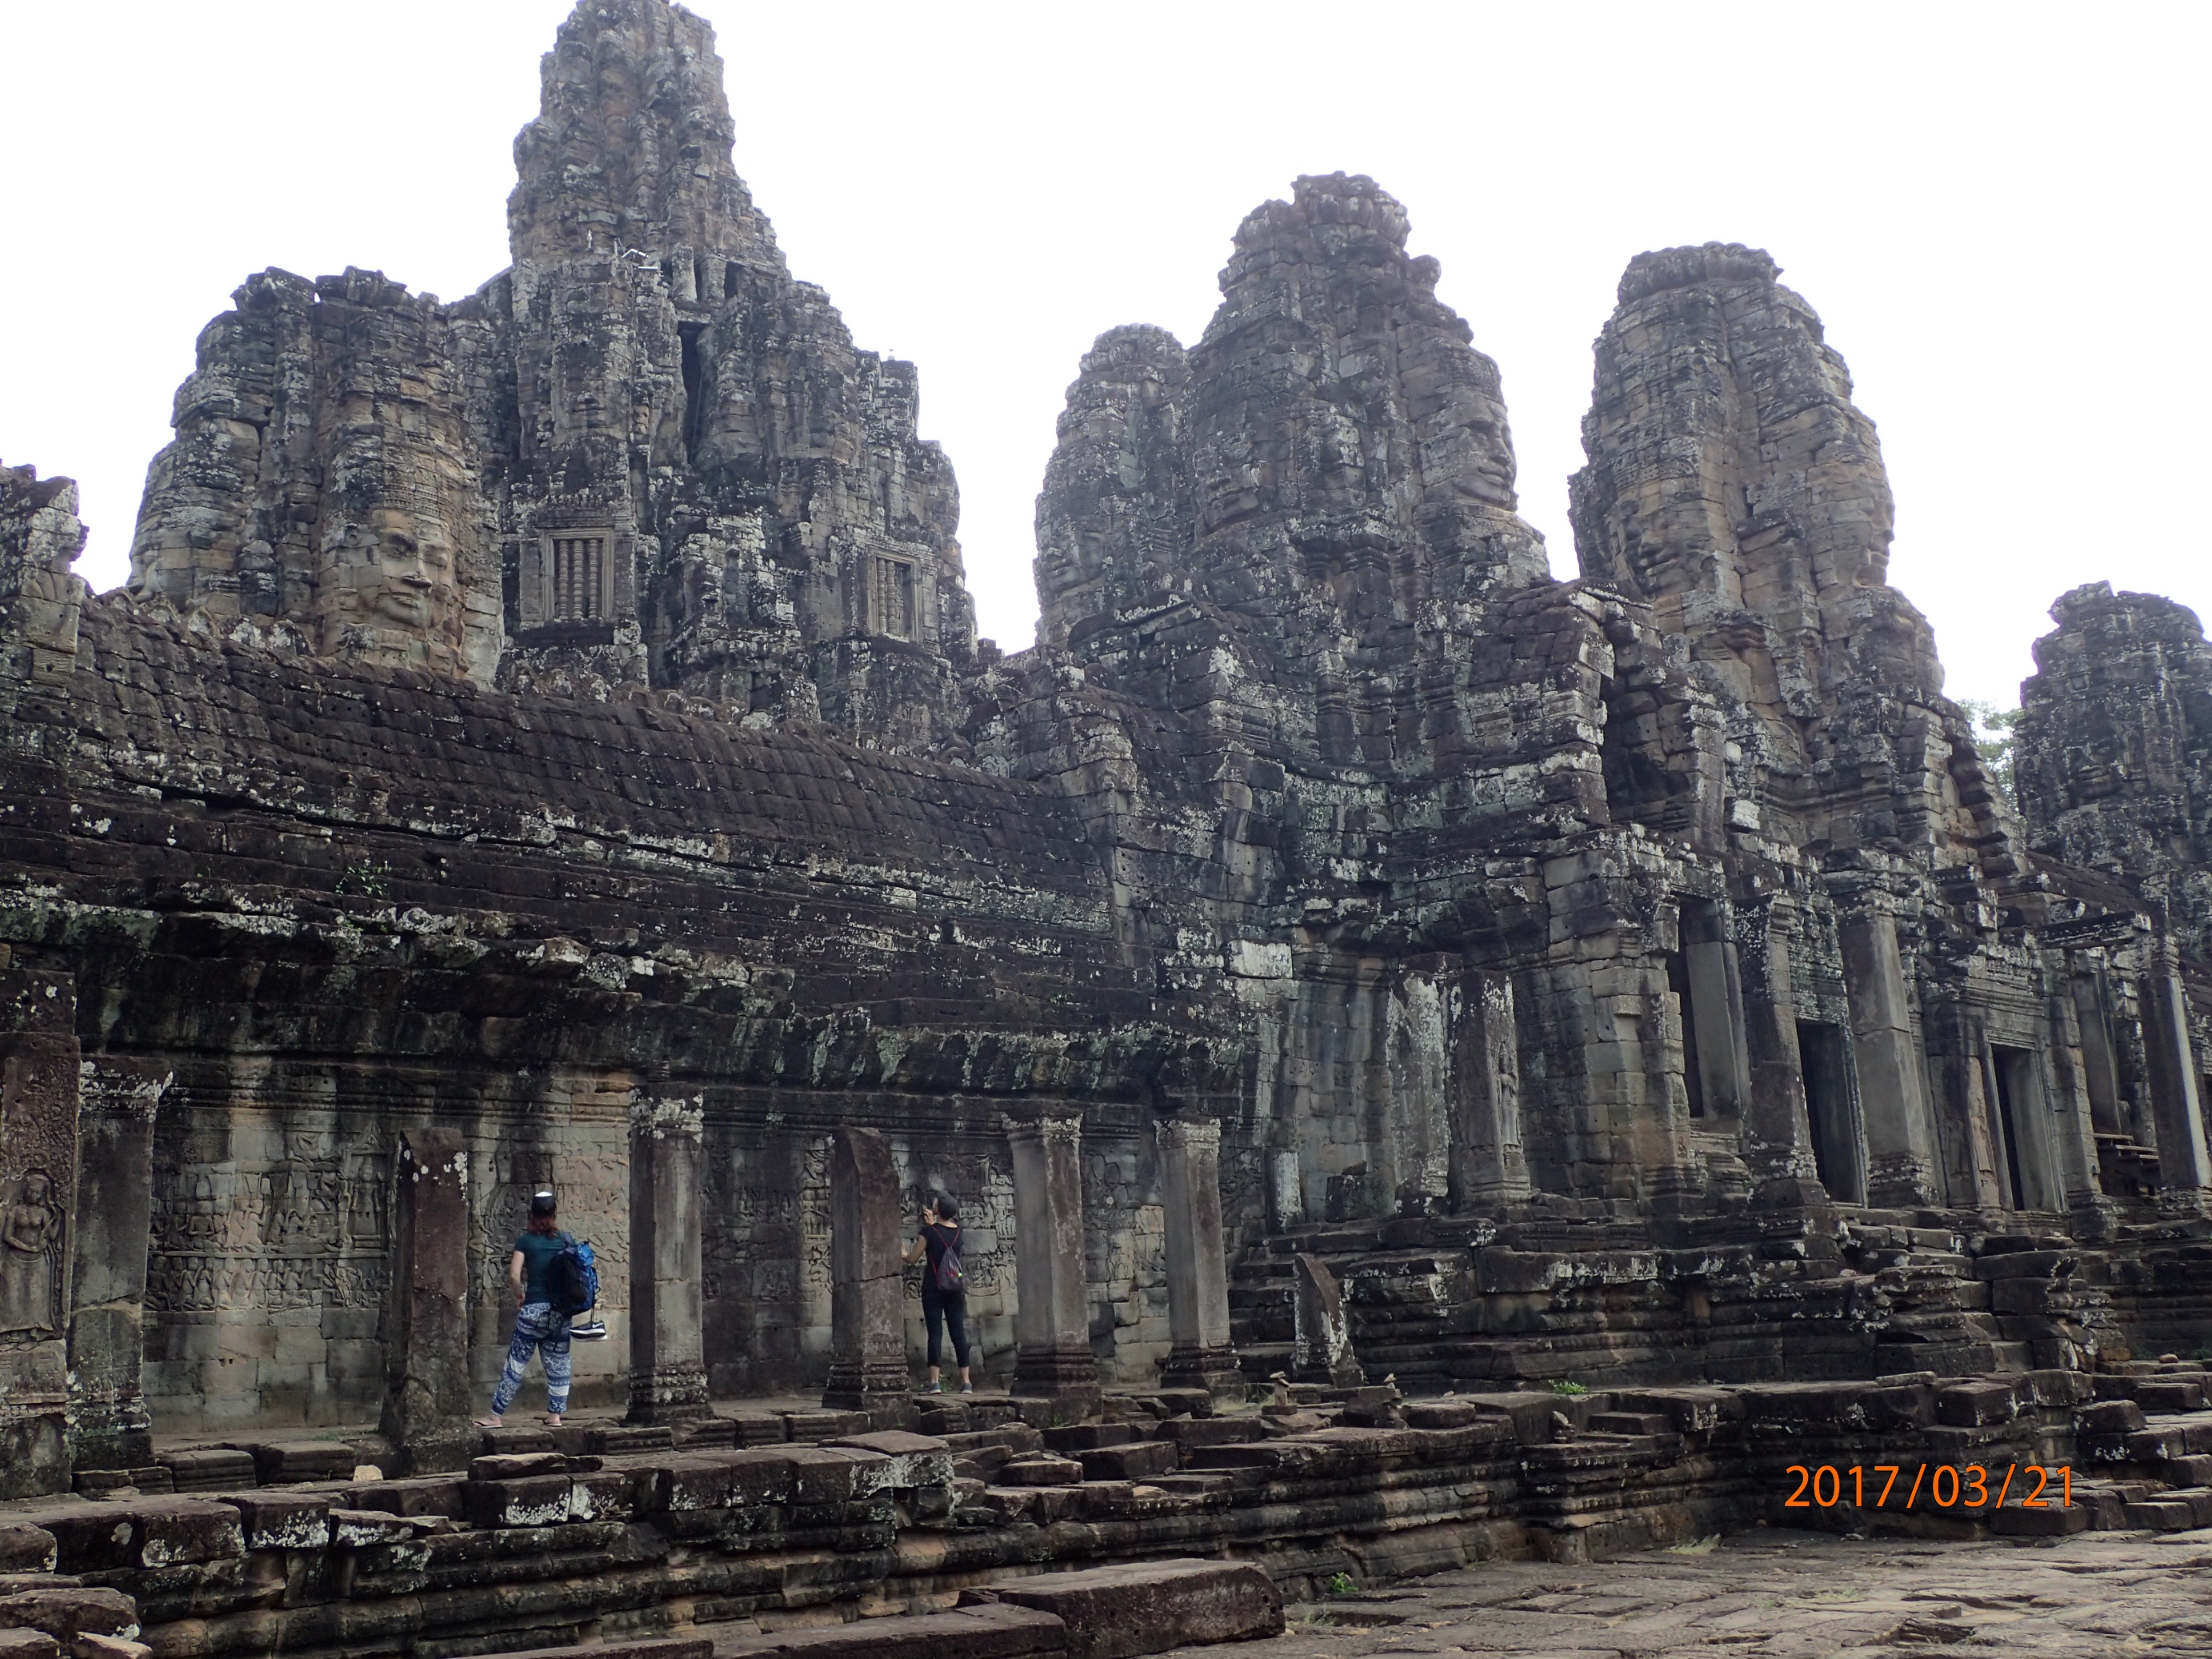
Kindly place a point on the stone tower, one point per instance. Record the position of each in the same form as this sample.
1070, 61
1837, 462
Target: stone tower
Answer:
642, 457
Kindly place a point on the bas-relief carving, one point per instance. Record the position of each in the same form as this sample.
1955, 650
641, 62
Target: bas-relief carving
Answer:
310, 1233
32, 1229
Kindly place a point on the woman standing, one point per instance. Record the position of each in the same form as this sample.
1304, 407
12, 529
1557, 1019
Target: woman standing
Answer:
538, 1327
944, 1287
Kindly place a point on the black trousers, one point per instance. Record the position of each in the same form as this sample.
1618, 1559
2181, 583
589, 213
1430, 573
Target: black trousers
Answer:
939, 1310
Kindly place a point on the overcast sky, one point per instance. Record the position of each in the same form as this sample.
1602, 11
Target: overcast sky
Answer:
1999, 211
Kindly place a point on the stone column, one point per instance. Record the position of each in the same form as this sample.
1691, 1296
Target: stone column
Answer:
867, 1287
2090, 1213
39, 1062
1052, 1360
2184, 1167
1201, 1355
1893, 1094
1778, 1129
109, 1428
1323, 1333
1488, 1169
427, 1400
1709, 960
667, 1342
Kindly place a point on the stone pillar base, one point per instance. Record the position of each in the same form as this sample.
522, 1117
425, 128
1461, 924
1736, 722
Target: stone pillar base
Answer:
872, 1388
677, 1394
1790, 1192
439, 1448
1214, 1370
1056, 1382
1900, 1183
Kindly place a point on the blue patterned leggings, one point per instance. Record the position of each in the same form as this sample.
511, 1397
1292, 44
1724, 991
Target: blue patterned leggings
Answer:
539, 1330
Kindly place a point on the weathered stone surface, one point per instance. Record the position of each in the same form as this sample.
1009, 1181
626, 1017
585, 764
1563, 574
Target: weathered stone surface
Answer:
667, 1368
38, 1105
1324, 1334
1053, 1362
425, 1400
992, 1630
868, 1366
1111, 1612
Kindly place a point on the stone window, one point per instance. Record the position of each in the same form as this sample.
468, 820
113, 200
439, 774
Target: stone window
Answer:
574, 578
890, 600
578, 562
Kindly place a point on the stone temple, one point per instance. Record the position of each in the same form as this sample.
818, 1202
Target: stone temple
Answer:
1574, 1050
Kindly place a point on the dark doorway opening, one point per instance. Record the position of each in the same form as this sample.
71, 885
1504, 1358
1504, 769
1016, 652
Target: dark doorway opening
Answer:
2010, 1066
1678, 981
1828, 1110
695, 389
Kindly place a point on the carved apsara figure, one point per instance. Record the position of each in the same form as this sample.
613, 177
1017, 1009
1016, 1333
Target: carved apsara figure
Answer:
30, 1257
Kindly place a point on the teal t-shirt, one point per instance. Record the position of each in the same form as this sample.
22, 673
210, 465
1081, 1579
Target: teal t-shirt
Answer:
538, 1250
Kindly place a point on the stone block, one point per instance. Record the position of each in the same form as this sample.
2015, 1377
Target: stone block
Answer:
281, 1462
1971, 1405
1041, 1472
2052, 1521
2162, 1394
910, 1460
421, 1496
990, 1630
2109, 1417
537, 1500
207, 1468
21, 1642
1138, 1460
604, 1495
25, 1548
355, 1529
689, 1647
2028, 1264
67, 1613
688, 1483
177, 1531
1112, 1613
91, 1646
2161, 1515
1072, 1438
281, 1521
92, 1537
517, 1466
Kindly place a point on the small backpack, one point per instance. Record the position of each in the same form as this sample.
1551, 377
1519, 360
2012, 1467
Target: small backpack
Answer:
572, 1280
949, 1277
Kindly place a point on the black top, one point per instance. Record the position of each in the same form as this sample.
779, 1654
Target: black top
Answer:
935, 1236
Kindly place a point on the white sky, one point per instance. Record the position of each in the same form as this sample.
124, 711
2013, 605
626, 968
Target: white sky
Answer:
1999, 210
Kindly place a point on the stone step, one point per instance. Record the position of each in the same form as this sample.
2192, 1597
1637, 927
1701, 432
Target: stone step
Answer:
991, 1631
1112, 1612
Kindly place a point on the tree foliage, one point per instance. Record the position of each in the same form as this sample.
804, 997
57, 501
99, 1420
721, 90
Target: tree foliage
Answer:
1995, 731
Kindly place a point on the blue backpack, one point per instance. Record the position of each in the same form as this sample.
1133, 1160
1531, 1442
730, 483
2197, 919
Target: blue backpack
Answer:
572, 1280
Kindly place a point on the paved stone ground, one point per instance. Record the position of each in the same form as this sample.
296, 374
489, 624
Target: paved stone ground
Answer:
1776, 1592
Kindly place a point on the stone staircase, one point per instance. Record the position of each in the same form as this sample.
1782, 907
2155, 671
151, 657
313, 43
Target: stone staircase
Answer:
1460, 1302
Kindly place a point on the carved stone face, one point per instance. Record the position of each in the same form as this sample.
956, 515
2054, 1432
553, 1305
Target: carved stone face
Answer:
392, 596
37, 1189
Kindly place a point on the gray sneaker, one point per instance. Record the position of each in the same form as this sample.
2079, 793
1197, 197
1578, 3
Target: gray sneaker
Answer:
967, 1388
932, 1388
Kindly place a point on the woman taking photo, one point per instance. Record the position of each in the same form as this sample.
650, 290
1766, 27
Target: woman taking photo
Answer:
944, 1287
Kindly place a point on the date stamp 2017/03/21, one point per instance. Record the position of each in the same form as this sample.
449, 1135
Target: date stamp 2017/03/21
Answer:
1937, 1485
